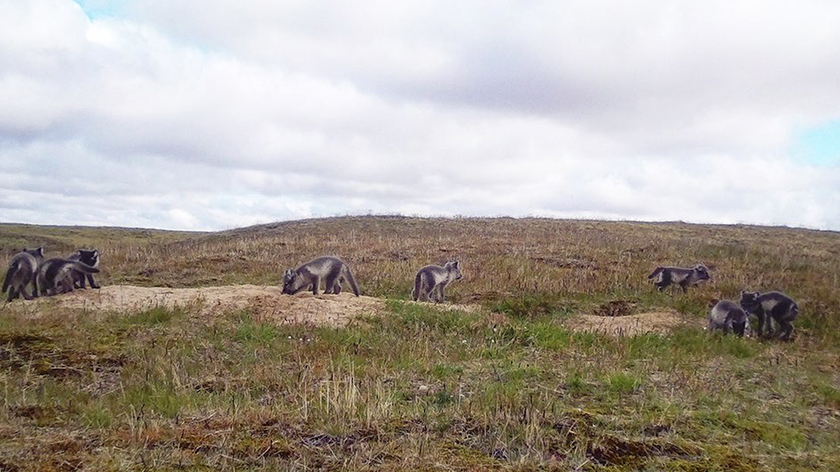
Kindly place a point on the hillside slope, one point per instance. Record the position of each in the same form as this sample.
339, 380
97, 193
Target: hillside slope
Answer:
190, 358
581, 262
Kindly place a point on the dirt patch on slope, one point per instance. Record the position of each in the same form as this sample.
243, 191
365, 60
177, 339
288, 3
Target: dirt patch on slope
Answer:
465, 307
266, 302
616, 308
661, 322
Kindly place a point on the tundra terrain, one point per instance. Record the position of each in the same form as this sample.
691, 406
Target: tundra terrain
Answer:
553, 352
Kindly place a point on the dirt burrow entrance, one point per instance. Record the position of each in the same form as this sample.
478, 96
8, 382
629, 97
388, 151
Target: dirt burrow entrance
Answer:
619, 318
659, 322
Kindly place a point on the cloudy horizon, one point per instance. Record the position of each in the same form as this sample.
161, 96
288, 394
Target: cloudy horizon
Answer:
191, 115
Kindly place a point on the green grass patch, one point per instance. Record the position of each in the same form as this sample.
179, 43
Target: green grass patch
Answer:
576, 384
412, 315
689, 343
154, 316
778, 435
96, 415
532, 305
444, 371
157, 397
252, 332
622, 383
443, 398
548, 335
829, 394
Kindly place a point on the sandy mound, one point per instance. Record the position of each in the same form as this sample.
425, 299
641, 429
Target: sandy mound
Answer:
467, 308
266, 302
630, 325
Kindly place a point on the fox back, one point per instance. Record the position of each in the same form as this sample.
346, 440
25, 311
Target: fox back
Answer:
330, 268
728, 317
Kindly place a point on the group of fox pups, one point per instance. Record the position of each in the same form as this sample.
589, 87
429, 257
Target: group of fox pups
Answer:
51, 276
60, 275
728, 316
428, 283
431, 280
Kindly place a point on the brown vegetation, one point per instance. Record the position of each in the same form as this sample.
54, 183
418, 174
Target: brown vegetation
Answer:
189, 358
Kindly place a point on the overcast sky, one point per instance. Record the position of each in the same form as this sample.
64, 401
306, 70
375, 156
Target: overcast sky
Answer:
187, 114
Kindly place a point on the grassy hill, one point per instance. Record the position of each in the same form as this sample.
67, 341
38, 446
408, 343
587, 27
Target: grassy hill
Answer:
510, 388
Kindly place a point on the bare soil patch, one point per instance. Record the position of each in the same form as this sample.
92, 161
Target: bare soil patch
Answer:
465, 307
660, 322
266, 302
616, 308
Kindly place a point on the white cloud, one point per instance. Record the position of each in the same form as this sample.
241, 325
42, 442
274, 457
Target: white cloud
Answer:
202, 115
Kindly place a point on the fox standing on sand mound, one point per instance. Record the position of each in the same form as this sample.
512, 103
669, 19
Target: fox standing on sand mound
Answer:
23, 270
330, 268
56, 275
85, 256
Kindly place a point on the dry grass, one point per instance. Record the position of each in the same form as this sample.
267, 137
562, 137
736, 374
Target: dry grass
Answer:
175, 386
502, 256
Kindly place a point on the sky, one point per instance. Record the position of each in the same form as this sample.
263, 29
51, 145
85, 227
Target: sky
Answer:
185, 114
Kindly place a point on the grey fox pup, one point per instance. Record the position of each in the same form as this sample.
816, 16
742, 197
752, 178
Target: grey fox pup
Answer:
685, 277
56, 275
89, 257
431, 280
332, 269
728, 317
777, 305
23, 270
